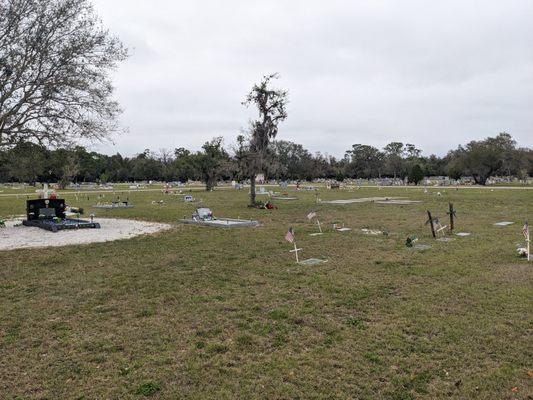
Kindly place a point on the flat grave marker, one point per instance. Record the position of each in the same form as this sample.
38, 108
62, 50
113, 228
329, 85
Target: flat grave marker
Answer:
503, 223
362, 200
312, 261
204, 217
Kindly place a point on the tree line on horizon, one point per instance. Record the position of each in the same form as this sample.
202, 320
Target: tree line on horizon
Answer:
284, 160
56, 60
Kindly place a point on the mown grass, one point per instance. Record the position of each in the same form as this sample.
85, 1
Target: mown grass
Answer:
202, 313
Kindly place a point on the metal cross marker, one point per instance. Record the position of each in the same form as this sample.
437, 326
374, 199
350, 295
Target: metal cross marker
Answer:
452, 215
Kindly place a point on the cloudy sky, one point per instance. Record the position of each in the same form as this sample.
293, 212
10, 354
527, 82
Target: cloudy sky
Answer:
432, 73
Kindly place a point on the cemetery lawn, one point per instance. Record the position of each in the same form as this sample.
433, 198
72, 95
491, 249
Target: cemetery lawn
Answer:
205, 313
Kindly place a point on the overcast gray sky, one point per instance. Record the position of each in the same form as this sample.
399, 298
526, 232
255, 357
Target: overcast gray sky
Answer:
432, 73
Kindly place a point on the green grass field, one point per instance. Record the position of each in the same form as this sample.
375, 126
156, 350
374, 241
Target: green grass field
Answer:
204, 313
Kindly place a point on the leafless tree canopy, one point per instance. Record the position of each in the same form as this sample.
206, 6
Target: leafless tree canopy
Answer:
55, 60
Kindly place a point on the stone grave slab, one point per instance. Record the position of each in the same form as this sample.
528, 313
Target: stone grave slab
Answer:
420, 247
361, 200
343, 229
398, 202
312, 261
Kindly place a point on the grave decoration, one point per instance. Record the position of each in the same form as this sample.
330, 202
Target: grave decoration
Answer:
310, 217
188, 198
69, 211
411, 240
203, 216
49, 214
289, 237
411, 243
268, 205
340, 228
2, 223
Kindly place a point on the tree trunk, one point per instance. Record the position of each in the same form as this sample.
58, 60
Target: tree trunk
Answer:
209, 184
252, 190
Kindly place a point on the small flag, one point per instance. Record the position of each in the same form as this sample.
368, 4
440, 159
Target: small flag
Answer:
311, 215
525, 231
289, 237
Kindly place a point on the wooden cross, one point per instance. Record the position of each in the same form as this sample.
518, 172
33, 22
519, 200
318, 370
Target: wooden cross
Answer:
295, 251
430, 222
318, 223
440, 228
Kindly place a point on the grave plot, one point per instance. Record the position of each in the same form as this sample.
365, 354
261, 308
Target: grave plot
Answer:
49, 214
398, 201
503, 223
204, 217
361, 200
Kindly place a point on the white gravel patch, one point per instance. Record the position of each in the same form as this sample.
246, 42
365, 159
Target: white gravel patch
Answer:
24, 237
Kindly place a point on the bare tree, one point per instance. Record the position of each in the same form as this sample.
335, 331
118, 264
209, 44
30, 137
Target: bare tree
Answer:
271, 105
55, 59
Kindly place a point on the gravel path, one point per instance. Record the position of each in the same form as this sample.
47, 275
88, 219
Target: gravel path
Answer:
23, 237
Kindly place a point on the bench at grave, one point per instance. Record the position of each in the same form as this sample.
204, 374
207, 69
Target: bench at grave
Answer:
50, 214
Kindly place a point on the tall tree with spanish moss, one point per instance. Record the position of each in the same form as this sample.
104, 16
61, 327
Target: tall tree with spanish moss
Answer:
271, 106
55, 61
